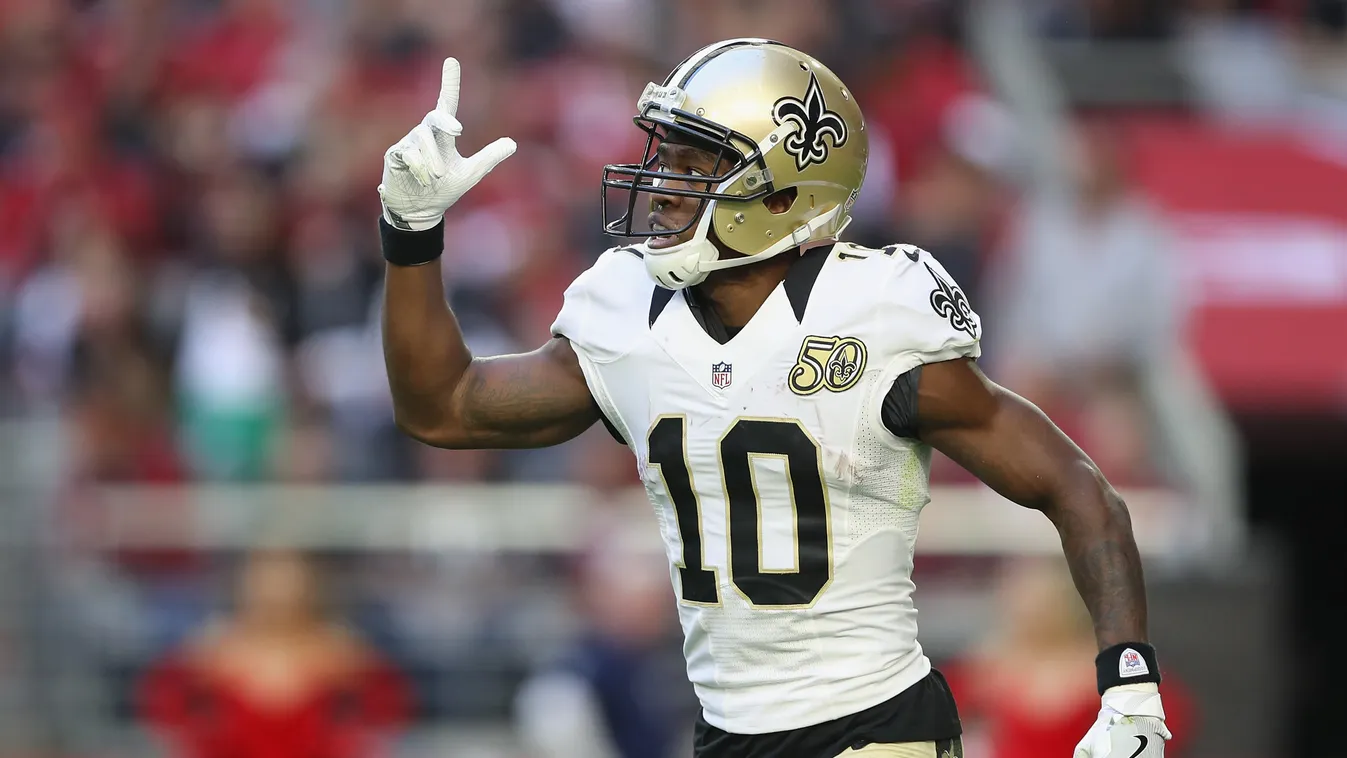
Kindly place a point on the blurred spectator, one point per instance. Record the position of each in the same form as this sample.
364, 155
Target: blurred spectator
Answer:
277, 677
1103, 19
621, 691
1242, 66
1089, 310
1027, 689
237, 315
1088, 282
951, 205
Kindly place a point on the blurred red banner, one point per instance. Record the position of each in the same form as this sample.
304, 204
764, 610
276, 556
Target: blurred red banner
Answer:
1261, 218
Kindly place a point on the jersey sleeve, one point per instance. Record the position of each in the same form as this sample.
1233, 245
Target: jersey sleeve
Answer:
928, 316
598, 314
929, 320
598, 306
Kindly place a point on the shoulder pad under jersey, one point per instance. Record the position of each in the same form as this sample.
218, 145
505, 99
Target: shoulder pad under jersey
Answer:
604, 311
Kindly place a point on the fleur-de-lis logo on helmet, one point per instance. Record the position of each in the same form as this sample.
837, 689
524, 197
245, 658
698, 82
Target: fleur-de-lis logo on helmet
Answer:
813, 122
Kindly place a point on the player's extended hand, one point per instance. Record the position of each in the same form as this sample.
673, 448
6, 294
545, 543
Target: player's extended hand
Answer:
1131, 724
424, 173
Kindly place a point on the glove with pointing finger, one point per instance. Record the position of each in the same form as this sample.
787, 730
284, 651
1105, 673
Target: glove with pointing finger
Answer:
424, 174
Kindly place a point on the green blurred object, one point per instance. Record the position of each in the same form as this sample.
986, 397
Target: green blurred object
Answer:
231, 442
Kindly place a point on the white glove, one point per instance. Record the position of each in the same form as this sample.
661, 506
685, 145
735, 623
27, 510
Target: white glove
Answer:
1131, 724
423, 172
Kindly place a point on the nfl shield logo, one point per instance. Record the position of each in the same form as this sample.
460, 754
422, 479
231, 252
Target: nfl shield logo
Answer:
720, 375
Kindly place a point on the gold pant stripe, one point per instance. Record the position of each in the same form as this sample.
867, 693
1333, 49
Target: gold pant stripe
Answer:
904, 750
944, 749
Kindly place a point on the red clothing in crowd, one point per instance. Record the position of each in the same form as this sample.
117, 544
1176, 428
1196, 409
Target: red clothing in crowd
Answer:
203, 715
1014, 728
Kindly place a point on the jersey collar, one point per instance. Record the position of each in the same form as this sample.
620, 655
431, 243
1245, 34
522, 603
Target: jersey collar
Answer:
798, 284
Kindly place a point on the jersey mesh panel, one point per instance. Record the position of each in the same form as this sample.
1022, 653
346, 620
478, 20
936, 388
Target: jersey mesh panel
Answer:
885, 497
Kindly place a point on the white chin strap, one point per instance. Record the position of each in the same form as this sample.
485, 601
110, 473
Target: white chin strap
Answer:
688, 263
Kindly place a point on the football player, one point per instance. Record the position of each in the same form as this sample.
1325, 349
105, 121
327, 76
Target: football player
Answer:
782, 391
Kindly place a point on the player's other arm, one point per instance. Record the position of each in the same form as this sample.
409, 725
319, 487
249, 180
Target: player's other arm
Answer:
1012, 446
442, 395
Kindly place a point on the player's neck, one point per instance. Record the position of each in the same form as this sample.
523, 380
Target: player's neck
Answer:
737, 293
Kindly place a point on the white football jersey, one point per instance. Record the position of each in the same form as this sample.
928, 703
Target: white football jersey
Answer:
788, 510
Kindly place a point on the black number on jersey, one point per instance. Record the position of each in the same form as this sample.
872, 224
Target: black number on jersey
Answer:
745, 440
668, 451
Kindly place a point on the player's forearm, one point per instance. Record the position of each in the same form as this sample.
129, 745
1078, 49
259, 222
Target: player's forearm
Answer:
424, 350
1096, 533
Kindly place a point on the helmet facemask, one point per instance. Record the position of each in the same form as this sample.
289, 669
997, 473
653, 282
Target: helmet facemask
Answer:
739, 175
663, 121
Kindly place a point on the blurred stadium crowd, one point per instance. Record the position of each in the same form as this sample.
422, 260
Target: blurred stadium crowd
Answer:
187, 261
190, 273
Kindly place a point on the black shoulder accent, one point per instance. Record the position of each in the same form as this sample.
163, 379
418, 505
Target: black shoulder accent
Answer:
607, 424
658, 299
899, 410
801, 277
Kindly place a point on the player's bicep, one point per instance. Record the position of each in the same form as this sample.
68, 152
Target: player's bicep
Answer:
531, 399
1000, 437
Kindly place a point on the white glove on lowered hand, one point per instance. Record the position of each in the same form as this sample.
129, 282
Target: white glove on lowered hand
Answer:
424, 174
1131, 724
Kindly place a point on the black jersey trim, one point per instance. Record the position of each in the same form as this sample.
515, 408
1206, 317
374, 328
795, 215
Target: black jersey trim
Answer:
800, 279
658, 299
899, 410
607, 424
799, 285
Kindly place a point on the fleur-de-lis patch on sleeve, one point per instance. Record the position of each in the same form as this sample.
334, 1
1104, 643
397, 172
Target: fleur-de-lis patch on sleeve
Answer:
950, 302
813, 122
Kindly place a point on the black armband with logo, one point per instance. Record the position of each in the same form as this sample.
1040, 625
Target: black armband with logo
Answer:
1126, 663
407, 248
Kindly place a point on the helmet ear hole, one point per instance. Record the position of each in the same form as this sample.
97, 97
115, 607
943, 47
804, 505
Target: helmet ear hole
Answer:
781, 201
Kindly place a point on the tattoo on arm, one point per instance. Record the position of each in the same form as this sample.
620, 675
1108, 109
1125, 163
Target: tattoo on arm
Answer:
1096, 534
1015, 449
530, 400
534, 399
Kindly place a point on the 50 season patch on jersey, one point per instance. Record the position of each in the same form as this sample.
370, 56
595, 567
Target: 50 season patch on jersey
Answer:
832, 362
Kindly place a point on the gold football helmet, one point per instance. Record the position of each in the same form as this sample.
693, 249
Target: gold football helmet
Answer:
776, 118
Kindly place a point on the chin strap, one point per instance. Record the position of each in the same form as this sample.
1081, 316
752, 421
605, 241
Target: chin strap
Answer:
803, 234
691, 261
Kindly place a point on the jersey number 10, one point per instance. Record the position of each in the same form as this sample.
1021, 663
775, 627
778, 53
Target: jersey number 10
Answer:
746, 439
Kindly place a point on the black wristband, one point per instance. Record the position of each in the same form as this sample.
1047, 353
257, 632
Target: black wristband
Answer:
1126, 663
407, 248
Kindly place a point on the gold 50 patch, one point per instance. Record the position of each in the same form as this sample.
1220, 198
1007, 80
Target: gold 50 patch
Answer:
834, 363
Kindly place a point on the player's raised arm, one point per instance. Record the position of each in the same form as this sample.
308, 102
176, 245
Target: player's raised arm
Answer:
1013, 447
442, 395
